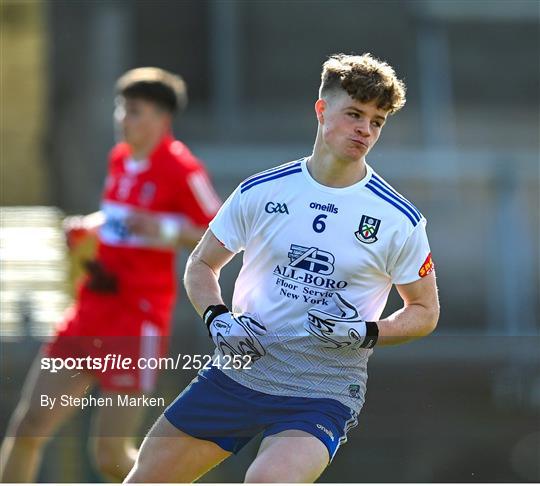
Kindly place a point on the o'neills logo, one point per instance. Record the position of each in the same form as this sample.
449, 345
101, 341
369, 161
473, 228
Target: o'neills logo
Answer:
326, 431
329, 208
427, 267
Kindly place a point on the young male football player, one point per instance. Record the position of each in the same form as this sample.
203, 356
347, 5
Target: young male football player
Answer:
157, 198
324, 239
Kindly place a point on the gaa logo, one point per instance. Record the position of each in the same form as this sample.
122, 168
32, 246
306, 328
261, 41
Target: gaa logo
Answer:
368, 229
272, 207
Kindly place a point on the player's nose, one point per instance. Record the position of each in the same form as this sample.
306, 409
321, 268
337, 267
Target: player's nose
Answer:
362, 128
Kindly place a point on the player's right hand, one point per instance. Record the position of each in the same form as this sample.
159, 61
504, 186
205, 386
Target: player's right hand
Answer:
99, 278
344, 328
237, 335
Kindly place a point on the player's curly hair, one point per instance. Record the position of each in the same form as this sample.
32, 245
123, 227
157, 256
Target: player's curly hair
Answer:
365, 79
167, 90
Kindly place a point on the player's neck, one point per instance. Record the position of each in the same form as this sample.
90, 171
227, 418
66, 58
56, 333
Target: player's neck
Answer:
332, 172
143, 150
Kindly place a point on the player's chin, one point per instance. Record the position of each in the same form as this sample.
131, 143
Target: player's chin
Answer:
131, 137
355, 150
354, 155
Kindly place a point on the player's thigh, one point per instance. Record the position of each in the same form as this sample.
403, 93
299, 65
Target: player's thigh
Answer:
36, 413
117, 420
170, 455
292, 456
114, 427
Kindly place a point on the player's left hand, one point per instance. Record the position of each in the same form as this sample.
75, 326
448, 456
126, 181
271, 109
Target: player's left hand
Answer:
237, 335
346, 329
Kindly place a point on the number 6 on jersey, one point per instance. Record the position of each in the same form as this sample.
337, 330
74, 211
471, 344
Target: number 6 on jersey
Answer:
318, 224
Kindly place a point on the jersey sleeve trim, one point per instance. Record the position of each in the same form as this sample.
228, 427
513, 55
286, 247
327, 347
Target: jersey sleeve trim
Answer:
216, 232
407, 281
398, 254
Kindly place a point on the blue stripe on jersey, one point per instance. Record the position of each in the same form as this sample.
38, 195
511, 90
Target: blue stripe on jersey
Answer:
273, 170
270, 177
413, 218
399, 200
409, 204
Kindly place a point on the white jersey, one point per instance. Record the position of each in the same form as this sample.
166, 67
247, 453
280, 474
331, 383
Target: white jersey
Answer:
302, 241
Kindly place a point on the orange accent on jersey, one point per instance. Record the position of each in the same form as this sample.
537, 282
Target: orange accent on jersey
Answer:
427, 267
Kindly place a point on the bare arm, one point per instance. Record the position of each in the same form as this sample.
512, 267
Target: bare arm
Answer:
417, 318
190, 235
144, 223
201, 277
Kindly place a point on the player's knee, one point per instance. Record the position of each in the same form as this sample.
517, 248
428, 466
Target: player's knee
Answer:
109, 458
107, 466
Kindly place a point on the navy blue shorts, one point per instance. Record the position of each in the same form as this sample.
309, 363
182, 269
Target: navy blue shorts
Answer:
216, 408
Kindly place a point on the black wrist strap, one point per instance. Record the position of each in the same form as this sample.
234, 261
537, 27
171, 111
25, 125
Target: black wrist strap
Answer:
372, 334
211, 312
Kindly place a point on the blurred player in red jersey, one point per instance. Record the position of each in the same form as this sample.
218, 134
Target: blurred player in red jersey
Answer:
157, 198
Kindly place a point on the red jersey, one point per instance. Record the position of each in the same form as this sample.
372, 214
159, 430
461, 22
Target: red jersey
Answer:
171, 183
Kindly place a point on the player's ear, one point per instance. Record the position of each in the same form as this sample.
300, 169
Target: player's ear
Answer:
320, 106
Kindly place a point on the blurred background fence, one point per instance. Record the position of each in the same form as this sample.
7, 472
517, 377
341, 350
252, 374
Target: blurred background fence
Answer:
462, 405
